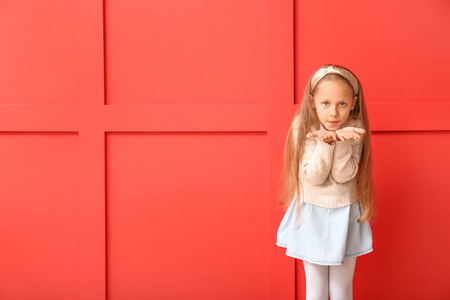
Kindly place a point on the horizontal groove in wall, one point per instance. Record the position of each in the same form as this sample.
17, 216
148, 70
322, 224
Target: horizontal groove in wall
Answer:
185, 118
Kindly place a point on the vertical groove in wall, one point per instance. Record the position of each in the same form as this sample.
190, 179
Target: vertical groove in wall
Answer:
104, 152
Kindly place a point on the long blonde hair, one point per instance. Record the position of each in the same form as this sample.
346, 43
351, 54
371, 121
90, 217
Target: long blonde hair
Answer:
301, 123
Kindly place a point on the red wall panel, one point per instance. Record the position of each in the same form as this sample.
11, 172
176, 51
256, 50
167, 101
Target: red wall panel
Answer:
186, 52
52, 154
412, 260
39, 215
398, 49
184, 215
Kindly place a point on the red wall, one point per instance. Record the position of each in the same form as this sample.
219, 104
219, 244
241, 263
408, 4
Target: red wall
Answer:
142, 144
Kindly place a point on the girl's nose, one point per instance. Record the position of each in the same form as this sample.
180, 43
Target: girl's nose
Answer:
334, 111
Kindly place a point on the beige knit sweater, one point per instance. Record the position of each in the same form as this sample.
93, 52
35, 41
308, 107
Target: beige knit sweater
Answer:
329, 171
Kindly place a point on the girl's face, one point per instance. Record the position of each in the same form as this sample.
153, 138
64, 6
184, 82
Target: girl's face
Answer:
333, 102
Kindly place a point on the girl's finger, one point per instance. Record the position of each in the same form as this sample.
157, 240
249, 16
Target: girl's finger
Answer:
311, 135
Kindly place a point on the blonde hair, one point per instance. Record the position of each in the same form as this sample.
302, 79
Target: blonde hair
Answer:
301, 123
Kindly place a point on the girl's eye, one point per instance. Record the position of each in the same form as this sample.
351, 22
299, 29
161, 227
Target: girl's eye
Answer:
339, 103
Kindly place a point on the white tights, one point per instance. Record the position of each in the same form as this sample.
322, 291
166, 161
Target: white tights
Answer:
330, 281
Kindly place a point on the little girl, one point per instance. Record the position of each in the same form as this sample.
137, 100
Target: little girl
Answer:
327, 161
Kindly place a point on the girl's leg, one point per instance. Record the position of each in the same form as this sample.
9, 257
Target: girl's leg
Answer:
341, 280
316, 281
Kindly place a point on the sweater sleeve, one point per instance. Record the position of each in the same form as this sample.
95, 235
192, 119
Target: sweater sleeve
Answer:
346, 159
317, 160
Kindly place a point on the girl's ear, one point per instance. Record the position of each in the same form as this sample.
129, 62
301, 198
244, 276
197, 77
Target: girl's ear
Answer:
354, 102
311, 101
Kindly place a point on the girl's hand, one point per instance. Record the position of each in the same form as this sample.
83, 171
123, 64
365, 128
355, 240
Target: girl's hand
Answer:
349, 133
323, 135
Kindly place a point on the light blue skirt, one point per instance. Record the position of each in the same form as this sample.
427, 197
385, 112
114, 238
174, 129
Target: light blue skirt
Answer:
326, 235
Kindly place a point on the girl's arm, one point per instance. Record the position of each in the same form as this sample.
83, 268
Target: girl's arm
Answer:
317, 160
346, 159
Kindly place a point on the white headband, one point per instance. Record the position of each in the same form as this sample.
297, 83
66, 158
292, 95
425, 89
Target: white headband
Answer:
332, 69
